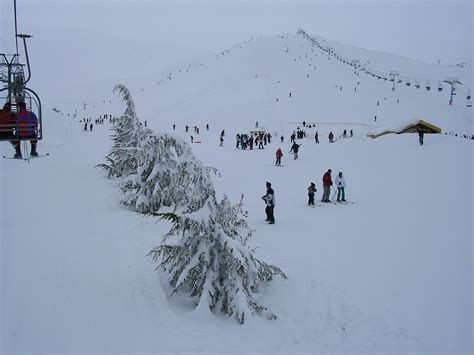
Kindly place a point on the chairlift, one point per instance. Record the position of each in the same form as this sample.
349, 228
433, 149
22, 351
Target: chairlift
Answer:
417, 84
469, 103
428, 85
16, 93
408, 83
440, 86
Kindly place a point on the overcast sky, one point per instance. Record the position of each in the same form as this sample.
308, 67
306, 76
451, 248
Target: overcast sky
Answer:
425, 30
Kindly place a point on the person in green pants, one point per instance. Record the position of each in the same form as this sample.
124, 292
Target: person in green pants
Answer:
340, 184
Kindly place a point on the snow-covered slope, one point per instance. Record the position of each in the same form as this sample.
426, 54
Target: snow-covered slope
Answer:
241, 85
391, 272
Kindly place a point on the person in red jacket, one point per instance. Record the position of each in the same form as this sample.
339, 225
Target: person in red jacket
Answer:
27, 125
278, 154
331, 137
7, 122
327, 183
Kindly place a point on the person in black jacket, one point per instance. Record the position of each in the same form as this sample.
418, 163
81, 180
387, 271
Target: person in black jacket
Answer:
269, 199
294, 149
311, 191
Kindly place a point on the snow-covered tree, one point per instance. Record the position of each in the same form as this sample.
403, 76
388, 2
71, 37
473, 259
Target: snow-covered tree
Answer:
206, 252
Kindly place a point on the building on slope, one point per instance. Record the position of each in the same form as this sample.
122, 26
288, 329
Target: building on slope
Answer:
409, 127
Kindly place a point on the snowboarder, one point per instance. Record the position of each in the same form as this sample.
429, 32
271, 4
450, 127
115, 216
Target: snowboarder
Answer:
327, 183
278, 154
331, 137
294, 150
269, 199
340, 184
316, 137
311, 190
421, 134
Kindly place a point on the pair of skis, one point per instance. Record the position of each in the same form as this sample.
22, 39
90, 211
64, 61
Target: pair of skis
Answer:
29, 158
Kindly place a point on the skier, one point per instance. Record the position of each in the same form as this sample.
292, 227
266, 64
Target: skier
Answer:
145, 123
90, 127
375, 118
221, 141
292, 137
352, 133
344, 134
269, 199
421, 134
340, 184
207, 127
282, 139
7, 121
331, 137
311, 190
27, 125
316, 137
327, 183
187, 128
278, 154
237, 139
192, 139
85, 127
294, 149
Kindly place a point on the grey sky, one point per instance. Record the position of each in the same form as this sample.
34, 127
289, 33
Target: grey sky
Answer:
425, 30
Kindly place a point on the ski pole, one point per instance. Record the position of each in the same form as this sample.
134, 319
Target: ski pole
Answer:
334, 192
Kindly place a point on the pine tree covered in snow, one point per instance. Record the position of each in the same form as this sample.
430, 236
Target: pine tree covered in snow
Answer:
206, 252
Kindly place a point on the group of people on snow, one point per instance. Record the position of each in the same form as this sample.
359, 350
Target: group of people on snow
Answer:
20, 125
244, 140
339, 181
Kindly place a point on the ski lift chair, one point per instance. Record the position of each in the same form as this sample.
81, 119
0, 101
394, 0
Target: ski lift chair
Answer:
417, 84
14, 127
428, 86
440, 86
408, 83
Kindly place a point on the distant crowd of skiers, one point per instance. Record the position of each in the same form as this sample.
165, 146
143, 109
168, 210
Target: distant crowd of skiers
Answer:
244, 140
339, 181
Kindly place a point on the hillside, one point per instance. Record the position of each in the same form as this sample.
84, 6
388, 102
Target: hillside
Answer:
390, 272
